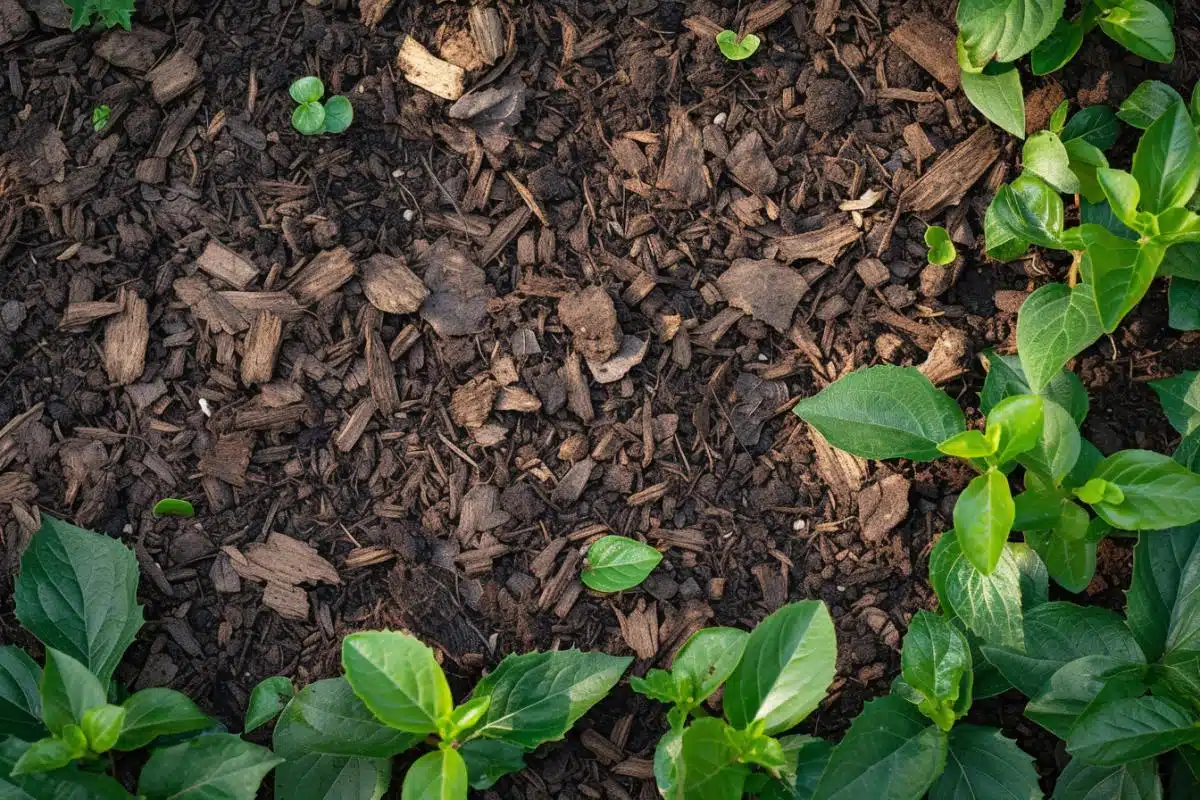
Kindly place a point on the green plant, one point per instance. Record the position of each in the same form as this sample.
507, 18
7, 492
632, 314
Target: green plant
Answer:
77, 593
941, 246
736, 49
171, 507
992, 34
344, 731
312, 117
617, 563
773, 678
108, 13
100, 115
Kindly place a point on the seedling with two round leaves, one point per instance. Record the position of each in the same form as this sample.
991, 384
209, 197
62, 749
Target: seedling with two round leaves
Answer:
394, 696
77, 593
312, 117
736, 49
941, 247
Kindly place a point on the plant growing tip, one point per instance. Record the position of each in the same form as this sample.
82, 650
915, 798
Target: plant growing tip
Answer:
100, 115
736, 50
311, 117
171, 507
941, 248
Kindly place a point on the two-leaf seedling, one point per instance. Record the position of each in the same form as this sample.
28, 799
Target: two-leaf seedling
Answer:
736, 49
941, 247
100, 115
312, 117
617, 563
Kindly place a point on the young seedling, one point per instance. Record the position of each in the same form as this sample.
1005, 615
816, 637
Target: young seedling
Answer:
773, 677
617, 563
394, 697
993, 34
100, 115
108, 13
312, 117
941, 247
736, 49
172, 507
77, 593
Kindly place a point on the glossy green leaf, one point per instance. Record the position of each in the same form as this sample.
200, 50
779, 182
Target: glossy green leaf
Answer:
1180, 400
20, 699
708, 766
1183, 304
1057, 449
172, 507
934, 660
1055, 324
806, 758
890, 751
996, 92
102, 726
156, 712
940, 245
1058, 119
1183, 631
463, 718
736, 49
1132, 729
440, 775
1160, 561
666, 761
617, 563
326, 718
968, 444
1085, 160
1122, 192
325, 777
68, 690
1006, 378
1167, 161
1045, 155
1147, 103
989, 605
398, 678
1157, 492
1019, 421
1137, 780
1118, 271
1141, 28
537, 697
308, 89
983, 517
489, 760
1070, 561
705, 661
982, 764
338, 114
1096, 125
44, 755
1053, 52
217, 767
884, 412
77, 593
1081, 686
62, 784
658, 684
267, 699
1032, 210
1004, 30
309, 119
1001, 242
788, 663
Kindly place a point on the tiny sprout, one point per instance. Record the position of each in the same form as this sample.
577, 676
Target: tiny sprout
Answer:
735, 50
941, 248
313, 118
171, 507
100, 115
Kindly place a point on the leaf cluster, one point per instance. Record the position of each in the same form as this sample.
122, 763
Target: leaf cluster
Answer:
311, 117
105, 13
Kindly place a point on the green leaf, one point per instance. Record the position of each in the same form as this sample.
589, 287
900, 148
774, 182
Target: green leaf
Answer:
941, 247
1057, 633
1118, 271
1019, 420
737, 50
1141, 28
1059, 445
1034, 579
658, 685
63, 784
1147, 103
68, 690
1085, 160
1001, 242
1053, 52
708, 764
1058, 119
537, 697
934, 660
1157, 492
806, 758
308, 89
1137, 780
1167, 161
267, 699
1045, 156
20, 699
1055, 324
617, 563
1160, 562
1096, 125
890, 751
309, 119
326, 718
1005, 378
77, 593
338, 114
1132, 729
156, 712
1004, 30
488, 761
1032, 210
463, 717
1123, 194
989, 605
1183, 302
440, 775
788, 663
1180, 399
102, 726
398, 678
996, 92
44, 755
1083, 685
217, 767
884, 412
1183, 632
968, 444
1070, 561
983, 517
984, 765
705, 661
324, 777
171, 507
666, 761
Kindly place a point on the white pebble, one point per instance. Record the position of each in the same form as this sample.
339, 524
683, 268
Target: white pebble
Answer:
409, 215
205, 407
719, 119
798, 525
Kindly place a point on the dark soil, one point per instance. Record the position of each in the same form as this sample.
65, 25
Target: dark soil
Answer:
451, 465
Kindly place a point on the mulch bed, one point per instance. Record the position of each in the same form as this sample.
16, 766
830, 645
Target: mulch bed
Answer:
408, 372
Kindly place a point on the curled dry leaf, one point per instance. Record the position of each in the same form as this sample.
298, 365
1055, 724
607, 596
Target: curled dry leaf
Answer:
633, 352
493, 111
